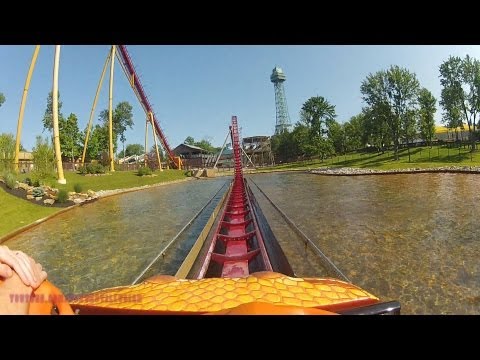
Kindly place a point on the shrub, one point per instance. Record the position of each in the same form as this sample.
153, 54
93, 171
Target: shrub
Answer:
99, 169
144, 171
105, 158
7, 151
38, 192
90, 168
39, 179
78, 188
82, 170
43, 158
10, 180
93, 168
62, 196
28, 181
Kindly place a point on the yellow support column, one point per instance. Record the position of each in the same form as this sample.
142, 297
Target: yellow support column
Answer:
56, 133
155, 139
90, 121
22, 105
110, 117
146, 136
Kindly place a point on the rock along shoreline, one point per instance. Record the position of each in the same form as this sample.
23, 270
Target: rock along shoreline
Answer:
348, 171
97, 195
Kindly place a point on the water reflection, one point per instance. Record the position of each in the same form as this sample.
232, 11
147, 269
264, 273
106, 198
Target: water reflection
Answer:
108, 243
411, 238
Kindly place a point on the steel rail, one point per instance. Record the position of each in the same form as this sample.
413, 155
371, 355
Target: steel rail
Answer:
163, 251
137, 85
327, 262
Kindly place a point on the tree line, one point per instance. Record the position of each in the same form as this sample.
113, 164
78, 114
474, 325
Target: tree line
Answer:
397, 109
204, 144
72, 140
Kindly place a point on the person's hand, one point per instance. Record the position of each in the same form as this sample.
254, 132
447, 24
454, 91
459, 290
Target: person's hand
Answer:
29, 271
14, 296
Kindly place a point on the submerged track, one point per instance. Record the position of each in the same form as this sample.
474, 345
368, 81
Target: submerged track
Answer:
325, 260
182, 238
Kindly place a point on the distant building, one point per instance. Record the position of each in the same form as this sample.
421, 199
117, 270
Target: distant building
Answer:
445, 134
25, 161
226, 159
194, 156
258, 149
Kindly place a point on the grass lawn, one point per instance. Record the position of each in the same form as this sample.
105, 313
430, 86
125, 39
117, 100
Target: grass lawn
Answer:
420, 157
15, 213
115, 180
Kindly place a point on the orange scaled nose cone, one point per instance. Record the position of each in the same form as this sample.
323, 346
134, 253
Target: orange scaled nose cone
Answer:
265, 292
259, 308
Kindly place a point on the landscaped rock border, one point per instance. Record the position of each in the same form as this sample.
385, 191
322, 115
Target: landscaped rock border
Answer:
49, 195
99, 194
106, 193
348, 171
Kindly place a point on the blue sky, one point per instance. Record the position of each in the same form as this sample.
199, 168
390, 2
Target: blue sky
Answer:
196, 89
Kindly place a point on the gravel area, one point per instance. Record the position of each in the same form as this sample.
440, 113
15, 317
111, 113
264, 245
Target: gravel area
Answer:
356, 171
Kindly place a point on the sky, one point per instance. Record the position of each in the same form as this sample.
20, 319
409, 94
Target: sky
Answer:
195, 89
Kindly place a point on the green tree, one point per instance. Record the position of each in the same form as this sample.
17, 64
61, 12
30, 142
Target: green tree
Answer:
409, 128
2, 99
284, 147
450, 78
7, 151
122, 118
274, 145
7, 145
460, 80
426, 123
48, 115
336, 135
300, 137
205, 145
375, 129
189, 141
70, 136
354, 133
390, 96
134, 149
43, 158
315, 113
97, 143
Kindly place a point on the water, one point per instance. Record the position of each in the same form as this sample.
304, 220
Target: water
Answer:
109, 242
412, 238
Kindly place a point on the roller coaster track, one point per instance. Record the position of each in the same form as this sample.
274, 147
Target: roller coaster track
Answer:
238, 247
127, 64
240, 270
